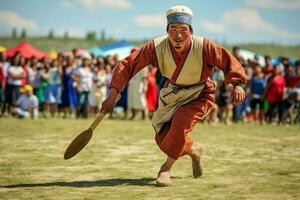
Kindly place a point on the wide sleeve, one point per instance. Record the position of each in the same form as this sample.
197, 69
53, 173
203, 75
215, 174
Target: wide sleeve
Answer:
132, 64
215, 55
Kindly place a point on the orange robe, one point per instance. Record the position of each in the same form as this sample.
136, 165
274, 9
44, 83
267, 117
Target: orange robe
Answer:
173, 139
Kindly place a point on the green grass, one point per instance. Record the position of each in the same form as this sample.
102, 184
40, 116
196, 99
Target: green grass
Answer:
121, 162
61, 44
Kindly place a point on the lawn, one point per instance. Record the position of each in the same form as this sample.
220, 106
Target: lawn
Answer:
121, 162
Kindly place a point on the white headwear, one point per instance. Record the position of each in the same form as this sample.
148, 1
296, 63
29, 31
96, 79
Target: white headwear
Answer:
179, 14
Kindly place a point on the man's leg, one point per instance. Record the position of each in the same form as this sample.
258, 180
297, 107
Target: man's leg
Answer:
196, 154
174, 140
163, 177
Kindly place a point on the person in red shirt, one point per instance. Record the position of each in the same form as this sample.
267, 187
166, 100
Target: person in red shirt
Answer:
268, 69
1, 87
23, 65
187, 62
152, 91
274, 93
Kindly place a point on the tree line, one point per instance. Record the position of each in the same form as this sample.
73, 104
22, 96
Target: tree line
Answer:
90, 35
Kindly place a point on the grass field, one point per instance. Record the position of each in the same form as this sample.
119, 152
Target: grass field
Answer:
122, 159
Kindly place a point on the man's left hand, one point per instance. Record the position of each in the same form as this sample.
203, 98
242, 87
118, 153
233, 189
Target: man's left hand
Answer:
237, 95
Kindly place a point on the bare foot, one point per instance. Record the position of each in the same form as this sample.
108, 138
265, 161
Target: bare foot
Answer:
163, 179
196, 156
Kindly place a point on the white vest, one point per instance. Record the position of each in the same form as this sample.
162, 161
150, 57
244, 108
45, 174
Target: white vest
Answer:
191, 71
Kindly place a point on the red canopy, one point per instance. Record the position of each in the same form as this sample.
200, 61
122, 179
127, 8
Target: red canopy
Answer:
26, 51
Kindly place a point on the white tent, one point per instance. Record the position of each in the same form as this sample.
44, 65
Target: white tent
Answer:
245, 54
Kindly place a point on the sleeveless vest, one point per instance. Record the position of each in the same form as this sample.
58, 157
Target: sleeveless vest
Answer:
191, 71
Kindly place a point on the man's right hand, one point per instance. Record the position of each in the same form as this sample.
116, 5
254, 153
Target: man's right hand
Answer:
110, 102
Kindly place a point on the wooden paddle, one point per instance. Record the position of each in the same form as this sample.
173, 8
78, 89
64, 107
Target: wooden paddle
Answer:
84, 137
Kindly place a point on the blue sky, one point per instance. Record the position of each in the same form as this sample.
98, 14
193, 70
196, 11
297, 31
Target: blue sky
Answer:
233, 21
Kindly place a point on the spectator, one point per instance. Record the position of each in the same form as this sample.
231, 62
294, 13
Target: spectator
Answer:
257, 86
238, 109
15, 74
23, 64
1, 87
152, 91
274, 93
43, 75
27, 104
53, 90
137, 88
268, 69
69, 97
98, 91
83, 77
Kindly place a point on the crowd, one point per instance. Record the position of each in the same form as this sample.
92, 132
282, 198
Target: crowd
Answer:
75, 86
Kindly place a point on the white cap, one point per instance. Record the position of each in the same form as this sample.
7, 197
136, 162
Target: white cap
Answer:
179, 10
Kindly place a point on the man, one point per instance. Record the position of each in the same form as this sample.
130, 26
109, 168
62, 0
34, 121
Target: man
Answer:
187, 61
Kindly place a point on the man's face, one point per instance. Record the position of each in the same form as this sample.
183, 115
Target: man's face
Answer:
179, 34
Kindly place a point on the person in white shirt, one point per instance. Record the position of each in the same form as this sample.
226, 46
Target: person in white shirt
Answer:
27, 104
83, 77
15, 74
99, 88
137, 88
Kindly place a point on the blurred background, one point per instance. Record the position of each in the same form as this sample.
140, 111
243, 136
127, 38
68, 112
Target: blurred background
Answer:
44, 43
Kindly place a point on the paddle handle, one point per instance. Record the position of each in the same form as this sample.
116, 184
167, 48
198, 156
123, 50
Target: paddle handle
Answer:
101, 116
97, 120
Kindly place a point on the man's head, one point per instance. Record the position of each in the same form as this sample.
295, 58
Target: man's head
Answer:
179, 26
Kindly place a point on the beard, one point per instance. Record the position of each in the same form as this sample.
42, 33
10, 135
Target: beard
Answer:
178, 45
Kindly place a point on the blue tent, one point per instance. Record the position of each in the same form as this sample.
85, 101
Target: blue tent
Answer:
122, 48
276, 61
96, 51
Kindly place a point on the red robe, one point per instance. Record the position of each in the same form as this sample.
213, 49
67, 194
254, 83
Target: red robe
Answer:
173, 139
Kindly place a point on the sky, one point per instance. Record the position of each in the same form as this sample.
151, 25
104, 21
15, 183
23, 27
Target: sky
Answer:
230, 21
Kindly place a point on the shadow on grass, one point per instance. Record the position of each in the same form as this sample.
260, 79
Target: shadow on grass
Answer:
87, 184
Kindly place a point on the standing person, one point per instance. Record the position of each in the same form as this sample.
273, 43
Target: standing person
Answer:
53, 90
237, 114
83, 78
268, 66
98, 90
187, 61
15, 74
4, 65
24, 64
1, 87
137, 88
274, 93
68, 97
257, 87
43, 74
152, 91
224, 101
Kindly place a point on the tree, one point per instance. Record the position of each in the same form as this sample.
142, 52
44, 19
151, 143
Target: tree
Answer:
66, 35
91, 35
102, 34
14, 33
51, 34
23, 33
